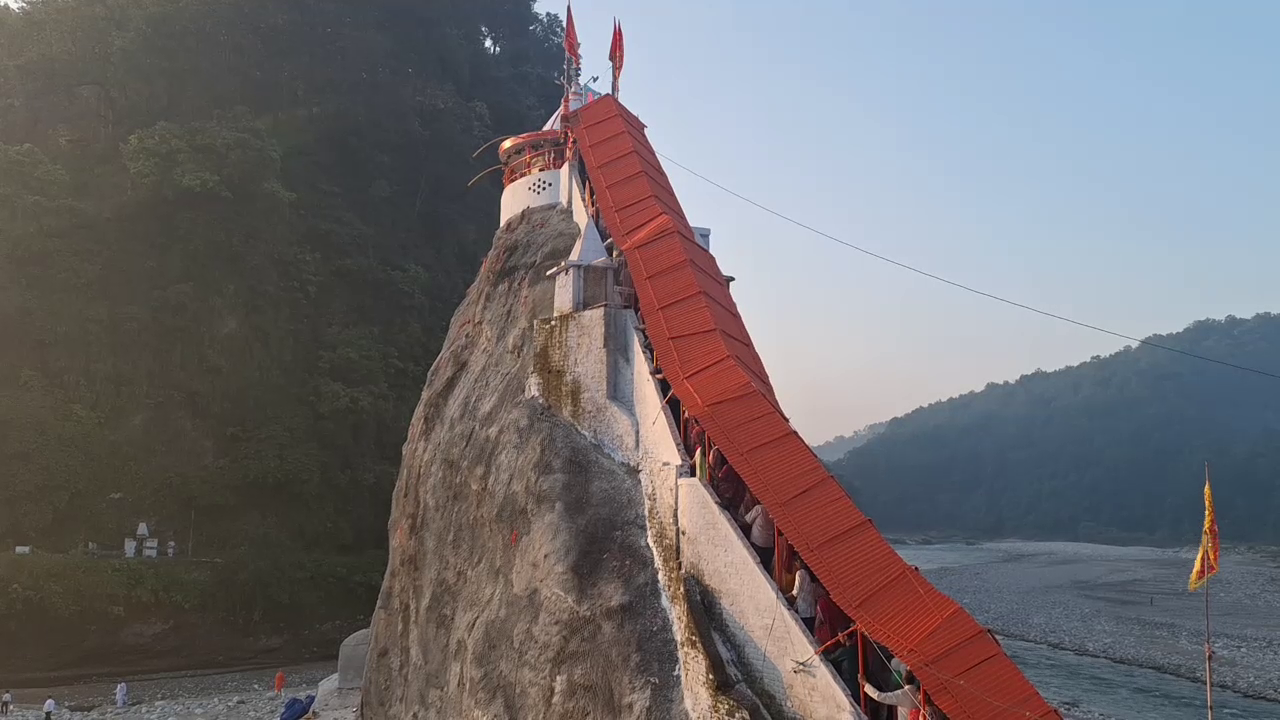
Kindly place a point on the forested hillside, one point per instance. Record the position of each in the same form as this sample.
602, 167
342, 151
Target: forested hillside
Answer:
1111, 450
838, 446
232, 234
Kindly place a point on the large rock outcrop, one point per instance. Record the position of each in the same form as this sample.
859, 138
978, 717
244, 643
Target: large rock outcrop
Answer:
521, 583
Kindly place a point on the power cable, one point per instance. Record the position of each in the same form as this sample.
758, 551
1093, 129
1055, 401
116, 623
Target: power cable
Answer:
975, 291
962, 286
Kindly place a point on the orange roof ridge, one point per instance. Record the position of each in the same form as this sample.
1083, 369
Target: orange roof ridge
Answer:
706, 353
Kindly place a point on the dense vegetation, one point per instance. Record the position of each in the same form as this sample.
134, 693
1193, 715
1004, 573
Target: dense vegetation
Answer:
74, 589
1111, 450
232, 234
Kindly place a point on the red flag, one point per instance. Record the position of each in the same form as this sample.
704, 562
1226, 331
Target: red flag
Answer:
571, 47
616, 53
615, 48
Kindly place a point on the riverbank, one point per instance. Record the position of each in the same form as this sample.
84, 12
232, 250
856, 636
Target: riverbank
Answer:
237, 695
186, 648
80, 618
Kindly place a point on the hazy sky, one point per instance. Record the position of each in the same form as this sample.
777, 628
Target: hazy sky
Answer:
1115, 162
1118, 162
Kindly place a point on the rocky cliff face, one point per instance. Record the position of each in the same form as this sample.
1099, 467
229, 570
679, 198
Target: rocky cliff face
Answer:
520, 583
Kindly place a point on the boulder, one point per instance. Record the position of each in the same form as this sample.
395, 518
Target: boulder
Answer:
520, 581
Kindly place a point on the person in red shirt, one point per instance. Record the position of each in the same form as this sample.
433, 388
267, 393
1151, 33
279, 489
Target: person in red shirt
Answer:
280, 683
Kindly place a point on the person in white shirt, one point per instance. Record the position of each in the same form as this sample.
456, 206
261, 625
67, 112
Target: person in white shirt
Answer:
5, 701
761, 536
49, 707
805, 597
122, 694
906, 700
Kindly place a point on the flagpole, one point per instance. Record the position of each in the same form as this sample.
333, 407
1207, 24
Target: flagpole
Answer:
1208, 642
571, 61
1208, 653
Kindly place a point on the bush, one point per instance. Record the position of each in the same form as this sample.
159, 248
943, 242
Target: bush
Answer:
286, 592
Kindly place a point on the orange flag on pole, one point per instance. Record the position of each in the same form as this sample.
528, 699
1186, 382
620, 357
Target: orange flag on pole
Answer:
1207, 559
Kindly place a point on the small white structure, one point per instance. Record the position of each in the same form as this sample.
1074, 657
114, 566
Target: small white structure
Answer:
22, 550
539, 169
703, 236
535, 190
530, 175
532, 165
339, 694
586, 278
352, 656
142, 536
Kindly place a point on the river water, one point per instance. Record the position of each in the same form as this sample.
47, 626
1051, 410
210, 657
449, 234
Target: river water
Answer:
1112, 633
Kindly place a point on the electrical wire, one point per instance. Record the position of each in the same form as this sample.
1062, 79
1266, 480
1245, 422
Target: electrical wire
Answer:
793, 221
962, 286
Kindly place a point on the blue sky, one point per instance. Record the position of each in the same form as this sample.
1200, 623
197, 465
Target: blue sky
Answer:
1114, 162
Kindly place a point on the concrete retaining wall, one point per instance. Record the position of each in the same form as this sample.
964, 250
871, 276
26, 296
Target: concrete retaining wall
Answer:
592, 369
766, 637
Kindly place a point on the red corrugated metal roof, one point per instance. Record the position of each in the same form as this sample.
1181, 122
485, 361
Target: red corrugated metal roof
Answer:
704, 350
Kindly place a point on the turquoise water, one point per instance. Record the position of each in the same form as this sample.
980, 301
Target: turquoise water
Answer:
1128, 604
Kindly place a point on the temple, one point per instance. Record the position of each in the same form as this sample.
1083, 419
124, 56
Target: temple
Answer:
645, 352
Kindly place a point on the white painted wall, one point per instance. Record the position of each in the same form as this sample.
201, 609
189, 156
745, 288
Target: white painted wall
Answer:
590, 246
688, 532
568, 292
640, 433
581, 351
531, 191
659, 442
767, 635
661, 461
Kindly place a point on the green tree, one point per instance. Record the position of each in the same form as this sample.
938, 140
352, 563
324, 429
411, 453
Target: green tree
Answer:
232, 236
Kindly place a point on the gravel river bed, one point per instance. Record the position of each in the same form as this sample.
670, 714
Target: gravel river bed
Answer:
1112, 632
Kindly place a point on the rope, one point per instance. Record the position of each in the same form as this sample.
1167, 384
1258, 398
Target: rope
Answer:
914, 698
957, 681
805, 662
